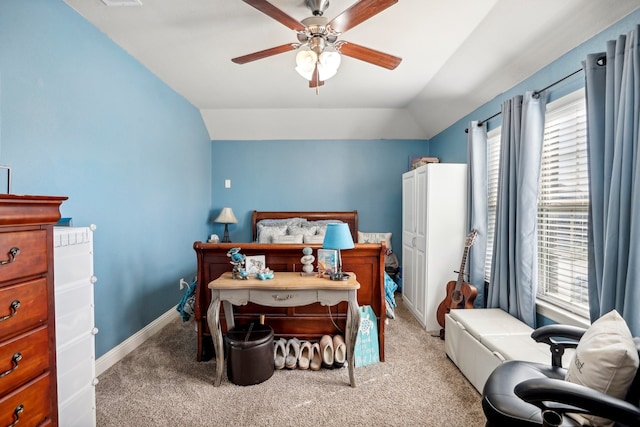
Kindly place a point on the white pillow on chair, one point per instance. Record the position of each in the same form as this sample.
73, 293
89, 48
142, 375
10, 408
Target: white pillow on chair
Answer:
606, 359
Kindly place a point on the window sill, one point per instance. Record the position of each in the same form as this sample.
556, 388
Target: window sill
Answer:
559, 315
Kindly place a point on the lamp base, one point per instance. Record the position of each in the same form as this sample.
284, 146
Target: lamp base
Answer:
225, 237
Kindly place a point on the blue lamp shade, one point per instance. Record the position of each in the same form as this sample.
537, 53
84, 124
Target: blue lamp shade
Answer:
338, 236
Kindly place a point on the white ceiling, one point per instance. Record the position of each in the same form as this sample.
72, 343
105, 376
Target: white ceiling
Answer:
456, 55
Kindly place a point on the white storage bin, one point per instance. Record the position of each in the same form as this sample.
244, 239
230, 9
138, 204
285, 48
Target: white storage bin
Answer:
75, 325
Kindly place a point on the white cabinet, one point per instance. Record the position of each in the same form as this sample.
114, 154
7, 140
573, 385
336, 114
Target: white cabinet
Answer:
75, 326
434, 226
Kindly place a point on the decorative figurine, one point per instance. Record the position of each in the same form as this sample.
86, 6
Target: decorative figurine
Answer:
307, 262
237, 260
264, 274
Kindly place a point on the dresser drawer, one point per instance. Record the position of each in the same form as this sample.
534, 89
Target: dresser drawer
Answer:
22, 306
23, 358
31, 258
35, 400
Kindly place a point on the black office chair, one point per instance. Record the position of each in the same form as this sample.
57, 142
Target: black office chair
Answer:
519, 393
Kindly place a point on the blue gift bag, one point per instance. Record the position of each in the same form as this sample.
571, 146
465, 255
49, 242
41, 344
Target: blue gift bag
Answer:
367, 350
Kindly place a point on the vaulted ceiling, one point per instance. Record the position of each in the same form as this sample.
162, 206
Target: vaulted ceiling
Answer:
456, 55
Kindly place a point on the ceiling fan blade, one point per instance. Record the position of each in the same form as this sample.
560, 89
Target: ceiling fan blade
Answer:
265, 53
371, 56
268, 9
358, 13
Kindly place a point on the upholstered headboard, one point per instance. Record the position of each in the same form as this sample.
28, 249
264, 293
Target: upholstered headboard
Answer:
350, 217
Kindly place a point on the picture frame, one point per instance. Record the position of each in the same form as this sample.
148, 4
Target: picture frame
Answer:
254, 264
327, 261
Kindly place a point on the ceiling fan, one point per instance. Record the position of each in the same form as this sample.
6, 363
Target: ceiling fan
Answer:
319, 48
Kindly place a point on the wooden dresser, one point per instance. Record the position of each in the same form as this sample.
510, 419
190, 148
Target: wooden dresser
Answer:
28, 391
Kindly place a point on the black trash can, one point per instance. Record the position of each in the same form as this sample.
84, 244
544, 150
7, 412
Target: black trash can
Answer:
249, 351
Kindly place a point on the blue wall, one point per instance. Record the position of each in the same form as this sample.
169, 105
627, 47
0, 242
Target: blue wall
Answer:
310, 175
80, 118
451, 144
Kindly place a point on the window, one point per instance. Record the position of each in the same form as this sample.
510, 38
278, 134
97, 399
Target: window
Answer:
563, 204
493, 163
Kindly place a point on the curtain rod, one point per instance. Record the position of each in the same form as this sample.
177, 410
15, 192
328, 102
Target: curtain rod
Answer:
536, 94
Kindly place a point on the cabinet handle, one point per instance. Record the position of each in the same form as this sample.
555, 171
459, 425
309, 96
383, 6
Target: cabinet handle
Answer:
12, 256
15, 359
16, 414
14, 309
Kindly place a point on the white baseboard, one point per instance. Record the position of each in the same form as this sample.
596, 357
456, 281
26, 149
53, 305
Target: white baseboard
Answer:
116, 354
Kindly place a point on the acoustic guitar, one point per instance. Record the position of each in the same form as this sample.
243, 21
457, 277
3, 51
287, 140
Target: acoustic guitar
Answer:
460, 294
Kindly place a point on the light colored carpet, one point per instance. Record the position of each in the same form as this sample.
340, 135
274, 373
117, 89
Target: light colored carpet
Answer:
161, 384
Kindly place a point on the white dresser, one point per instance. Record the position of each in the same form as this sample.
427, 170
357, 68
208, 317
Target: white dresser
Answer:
75, 327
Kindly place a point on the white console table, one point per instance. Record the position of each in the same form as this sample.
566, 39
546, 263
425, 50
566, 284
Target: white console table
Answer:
286, 289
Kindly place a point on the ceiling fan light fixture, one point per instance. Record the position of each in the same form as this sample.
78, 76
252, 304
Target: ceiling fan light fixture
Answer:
306, 62
328, 64
330, 59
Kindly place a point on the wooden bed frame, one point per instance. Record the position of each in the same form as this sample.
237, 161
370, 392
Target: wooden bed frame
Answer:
308, 322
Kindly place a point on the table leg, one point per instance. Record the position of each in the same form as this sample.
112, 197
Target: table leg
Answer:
213, 318
228, 314
351, 332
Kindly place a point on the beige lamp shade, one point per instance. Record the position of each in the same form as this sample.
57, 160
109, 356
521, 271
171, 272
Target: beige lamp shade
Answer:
226, 217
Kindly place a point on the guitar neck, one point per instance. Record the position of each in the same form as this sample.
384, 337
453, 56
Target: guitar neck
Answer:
462, 267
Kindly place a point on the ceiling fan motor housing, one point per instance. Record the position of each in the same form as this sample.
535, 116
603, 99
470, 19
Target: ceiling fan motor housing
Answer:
317, 7
316, 26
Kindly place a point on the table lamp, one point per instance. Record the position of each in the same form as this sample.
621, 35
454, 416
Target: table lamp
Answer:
338, 236
226, 217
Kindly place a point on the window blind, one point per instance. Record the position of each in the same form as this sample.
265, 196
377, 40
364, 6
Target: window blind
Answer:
493, 166
563, 204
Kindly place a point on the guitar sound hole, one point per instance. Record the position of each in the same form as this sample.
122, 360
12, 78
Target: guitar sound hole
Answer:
456, 297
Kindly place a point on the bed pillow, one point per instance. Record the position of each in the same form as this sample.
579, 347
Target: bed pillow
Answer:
289, 238
315, 239
267, 232
606, 359
304, 230
321, 225
287, 221
375, 238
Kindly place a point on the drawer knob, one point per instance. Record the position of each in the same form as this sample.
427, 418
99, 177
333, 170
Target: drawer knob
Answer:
14, 360
13, 252
16, 414
15, 304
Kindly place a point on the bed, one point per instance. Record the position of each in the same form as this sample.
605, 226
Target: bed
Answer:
309, 322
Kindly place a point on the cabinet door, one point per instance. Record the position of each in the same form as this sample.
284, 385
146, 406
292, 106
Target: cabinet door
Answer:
408, 238
420, 246
446, 229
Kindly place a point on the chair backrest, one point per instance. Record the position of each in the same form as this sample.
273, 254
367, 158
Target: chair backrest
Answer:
633, 395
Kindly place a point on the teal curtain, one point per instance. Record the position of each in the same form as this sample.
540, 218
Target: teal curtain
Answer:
514, 270
477, 178
613, 124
